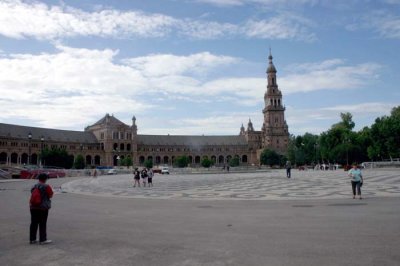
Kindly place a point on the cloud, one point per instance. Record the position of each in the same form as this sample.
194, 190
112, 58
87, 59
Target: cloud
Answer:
21, 20
385, 23
54, 89
227, 3
283, 26
168, 64
304, 120
330, 74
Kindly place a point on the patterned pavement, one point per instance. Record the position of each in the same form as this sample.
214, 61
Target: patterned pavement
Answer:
271, 185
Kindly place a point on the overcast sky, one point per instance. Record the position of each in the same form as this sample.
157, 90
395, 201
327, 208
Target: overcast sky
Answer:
197, 66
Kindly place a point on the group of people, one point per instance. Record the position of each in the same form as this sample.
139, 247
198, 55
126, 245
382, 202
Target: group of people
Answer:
146, 175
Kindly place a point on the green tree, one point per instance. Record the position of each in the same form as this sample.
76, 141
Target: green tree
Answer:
56, 157
127, 161
79, 162
385, 136
270, 157
182, 161
148, 163
235, 161
206, 163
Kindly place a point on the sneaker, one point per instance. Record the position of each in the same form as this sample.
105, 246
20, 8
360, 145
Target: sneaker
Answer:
45, 242
33, 242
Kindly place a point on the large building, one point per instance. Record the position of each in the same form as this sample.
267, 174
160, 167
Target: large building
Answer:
109, 140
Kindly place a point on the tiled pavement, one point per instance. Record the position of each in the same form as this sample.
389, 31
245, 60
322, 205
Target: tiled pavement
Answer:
272, 185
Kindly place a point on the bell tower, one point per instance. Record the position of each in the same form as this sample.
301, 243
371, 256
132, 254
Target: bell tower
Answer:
275, 133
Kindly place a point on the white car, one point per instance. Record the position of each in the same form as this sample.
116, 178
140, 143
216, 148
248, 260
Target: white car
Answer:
165, 170
112, 172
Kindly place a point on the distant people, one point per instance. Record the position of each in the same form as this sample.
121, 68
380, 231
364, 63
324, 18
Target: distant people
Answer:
94, 172
150, 175
227, 168
136, 177
288, 168
40, 204
144, 176
356, 180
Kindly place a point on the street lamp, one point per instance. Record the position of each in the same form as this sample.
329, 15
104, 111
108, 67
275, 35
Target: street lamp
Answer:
41, 150
29, 147
316, 146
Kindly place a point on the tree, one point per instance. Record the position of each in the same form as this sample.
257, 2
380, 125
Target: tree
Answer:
233, 162
270, 157
57, 157
206, 163
148, 163
79, 162
385, 136
127, 161
182, 161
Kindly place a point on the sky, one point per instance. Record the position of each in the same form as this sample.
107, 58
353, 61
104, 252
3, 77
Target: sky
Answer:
194, 67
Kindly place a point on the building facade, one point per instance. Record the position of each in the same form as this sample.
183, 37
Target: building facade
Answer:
109, 140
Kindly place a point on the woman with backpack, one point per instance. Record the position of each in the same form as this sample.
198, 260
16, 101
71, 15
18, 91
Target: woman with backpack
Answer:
40, 204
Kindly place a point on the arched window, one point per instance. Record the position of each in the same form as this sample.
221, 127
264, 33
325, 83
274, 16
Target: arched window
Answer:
121, 146
141, 160
197, 159
88, 160
165, 159
34, 158
221, 159
97, 160
128, 147
3, 157
244, 159
24, 158
14, 158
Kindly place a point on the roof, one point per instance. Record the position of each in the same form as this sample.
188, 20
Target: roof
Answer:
21, 132
190, 140
112, 121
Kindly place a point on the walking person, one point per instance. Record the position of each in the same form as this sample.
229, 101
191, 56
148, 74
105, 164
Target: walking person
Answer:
356, 180
288, 168
136, 178
150, 175
40, 204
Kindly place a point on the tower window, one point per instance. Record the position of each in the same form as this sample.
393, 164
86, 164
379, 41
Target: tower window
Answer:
273, 81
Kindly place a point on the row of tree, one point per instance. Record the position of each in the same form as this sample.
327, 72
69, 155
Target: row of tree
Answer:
341, 144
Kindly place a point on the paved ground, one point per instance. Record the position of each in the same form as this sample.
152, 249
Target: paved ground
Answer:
204, 220
272, 185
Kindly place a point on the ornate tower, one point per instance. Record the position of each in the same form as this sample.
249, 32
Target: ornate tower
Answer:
275, 134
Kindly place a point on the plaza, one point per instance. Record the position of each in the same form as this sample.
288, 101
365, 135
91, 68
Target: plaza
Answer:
257, 218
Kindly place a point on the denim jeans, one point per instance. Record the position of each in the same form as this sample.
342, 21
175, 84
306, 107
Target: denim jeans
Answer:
354, 185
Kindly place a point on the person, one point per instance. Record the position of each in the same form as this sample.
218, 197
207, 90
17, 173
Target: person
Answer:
39, 213
94, 172
136, 178
150, 175
144, 176
288, 168
356, 180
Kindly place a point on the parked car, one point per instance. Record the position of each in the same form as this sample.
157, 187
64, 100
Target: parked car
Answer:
165, 170
112, 172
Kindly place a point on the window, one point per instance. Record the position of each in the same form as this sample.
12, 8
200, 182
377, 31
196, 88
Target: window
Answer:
102, 135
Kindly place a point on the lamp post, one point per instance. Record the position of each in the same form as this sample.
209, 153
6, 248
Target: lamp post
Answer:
316, 146
29, 147
41, 150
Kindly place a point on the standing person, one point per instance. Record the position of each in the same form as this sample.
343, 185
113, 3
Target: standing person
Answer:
136, 178
356, 180
40, 204
288, 168
144, 176
150, 175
